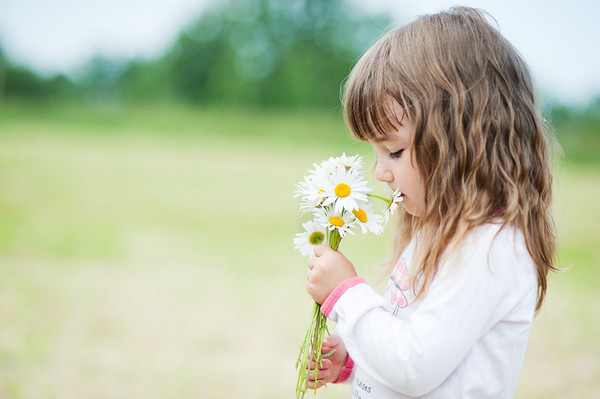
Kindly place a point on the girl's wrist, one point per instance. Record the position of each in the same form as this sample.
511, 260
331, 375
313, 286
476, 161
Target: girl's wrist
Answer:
346, 371
333, 297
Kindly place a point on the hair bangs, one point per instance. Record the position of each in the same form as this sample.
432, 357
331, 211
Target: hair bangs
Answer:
371, 119
371, 110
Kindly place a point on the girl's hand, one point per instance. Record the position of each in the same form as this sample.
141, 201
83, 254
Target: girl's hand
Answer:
326, 270
332, 365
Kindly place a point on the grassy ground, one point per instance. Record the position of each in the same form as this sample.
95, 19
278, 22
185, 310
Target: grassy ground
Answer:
147, 254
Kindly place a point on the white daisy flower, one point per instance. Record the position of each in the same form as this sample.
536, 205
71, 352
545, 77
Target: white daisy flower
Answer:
345, 189
322, 172
346, 162
392, 206
312, 191
313, 235
367, 219
342, 222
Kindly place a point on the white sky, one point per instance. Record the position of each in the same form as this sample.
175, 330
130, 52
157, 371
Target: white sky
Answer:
559, 39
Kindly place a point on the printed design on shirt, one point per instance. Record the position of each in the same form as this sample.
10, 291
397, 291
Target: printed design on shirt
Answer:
360, 389
398, 284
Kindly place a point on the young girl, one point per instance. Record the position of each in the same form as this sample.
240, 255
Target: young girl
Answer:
448, 106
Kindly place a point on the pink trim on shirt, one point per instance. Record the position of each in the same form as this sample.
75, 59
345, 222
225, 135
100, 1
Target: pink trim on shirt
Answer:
331, 300
346, 371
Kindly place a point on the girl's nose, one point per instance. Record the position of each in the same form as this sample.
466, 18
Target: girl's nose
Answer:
382, 173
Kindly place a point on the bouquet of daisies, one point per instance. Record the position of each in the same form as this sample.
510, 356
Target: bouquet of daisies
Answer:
336, 195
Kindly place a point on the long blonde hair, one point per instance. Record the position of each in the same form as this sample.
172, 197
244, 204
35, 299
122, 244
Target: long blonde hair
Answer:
480, 144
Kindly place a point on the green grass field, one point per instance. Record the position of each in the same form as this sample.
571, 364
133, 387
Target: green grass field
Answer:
147, 253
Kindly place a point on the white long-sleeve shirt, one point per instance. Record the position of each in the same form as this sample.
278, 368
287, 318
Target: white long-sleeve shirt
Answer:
465, 338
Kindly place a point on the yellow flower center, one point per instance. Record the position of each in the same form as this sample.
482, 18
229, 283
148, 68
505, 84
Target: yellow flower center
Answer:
360, 215
316, 238
342, 190
336, 221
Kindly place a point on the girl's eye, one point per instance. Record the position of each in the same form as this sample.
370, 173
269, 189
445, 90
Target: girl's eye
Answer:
394, 155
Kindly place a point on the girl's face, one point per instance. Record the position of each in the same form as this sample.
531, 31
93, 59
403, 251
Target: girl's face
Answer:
396, 167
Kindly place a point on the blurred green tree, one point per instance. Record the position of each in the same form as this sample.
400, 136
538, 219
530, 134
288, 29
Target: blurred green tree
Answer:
275, 53
23, 84
2, 74
578, 131
270, 52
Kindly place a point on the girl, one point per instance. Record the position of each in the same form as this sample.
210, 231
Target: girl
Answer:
448, 106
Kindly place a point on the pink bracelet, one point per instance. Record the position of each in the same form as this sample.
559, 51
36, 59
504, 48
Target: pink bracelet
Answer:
346, 371
331, 300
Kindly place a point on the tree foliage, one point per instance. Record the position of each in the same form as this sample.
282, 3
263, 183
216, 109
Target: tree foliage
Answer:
578, 131
275, 53
17, 82
269, 53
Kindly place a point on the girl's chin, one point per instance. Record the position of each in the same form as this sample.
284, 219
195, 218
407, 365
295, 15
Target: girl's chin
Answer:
409, 208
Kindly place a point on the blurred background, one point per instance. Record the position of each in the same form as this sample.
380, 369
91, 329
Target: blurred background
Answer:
148, 156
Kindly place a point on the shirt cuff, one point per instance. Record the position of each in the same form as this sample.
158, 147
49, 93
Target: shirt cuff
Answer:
346, 371
331, 300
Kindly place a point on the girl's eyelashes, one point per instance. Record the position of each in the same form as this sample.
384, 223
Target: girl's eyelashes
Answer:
394, 155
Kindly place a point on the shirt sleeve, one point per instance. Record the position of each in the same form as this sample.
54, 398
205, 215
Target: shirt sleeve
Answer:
414, 355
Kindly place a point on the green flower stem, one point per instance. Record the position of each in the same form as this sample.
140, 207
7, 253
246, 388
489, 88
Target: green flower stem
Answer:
333, 239
313, 340
311, 349
380, 197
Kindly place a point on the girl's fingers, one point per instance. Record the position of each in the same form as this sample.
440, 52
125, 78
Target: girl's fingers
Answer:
321, 375
331, 341
325, 349
319, 250
311, 384
325, 364
324, 370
